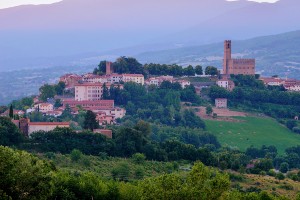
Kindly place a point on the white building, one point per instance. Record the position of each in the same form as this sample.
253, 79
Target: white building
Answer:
114, 78
295, 88
136, 78
92, 78
226, 83
89, 91
221, 103
44, 107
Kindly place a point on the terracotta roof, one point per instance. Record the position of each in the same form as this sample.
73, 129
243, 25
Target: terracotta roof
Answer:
49, 123
92, 84
88, 102
44, 104
134, 75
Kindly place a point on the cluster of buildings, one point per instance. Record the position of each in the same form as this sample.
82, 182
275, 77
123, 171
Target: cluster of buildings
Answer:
73, 80
158, 80
88, 92
246, 67
288, 84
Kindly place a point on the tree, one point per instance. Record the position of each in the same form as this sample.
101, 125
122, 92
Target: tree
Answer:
189, 71
3, 109
105, 93
284, 167
11, 111
199, 70
210, 70
291, 124
128, 65
47, 91
121, 172
129, 141
59, 88
138, 158
200, 182
75, 155
67, 113
143, 127
90, 121
57, 103
24, 176
101, 68
209, 110
280, 176
9, 133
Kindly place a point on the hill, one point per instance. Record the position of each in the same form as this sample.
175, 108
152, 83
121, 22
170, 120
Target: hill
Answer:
254, 131
275, 54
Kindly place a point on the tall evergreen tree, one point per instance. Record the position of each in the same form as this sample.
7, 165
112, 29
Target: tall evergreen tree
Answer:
105, 93
11, 111
90, 121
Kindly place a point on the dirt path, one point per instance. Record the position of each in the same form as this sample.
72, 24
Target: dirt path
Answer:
223, 114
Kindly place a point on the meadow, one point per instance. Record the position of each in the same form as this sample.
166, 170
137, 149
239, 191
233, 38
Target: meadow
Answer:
256, 131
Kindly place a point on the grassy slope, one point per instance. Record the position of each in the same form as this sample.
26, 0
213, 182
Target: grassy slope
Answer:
253, 131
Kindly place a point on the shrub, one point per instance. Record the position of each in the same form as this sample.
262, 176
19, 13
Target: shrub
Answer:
121, 172
296, 130
75, 155
280, 176
138, 158
284, 167
139, 173
287, 187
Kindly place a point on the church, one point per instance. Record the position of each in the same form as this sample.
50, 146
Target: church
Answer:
236, 66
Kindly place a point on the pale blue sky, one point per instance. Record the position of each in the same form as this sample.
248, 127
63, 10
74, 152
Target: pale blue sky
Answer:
12, 3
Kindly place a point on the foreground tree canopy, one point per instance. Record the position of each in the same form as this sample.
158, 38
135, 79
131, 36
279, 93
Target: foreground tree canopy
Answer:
23, 176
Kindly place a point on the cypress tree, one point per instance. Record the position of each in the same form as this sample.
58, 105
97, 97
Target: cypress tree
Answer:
11, 111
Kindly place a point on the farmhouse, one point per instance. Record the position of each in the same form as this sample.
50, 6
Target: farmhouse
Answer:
221, 103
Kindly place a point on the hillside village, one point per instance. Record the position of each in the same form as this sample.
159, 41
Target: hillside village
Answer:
87, 92
168, 114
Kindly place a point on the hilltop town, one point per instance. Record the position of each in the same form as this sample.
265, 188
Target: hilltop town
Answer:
117, 118
90, 91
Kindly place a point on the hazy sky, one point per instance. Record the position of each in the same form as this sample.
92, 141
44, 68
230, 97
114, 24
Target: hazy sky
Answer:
12, 3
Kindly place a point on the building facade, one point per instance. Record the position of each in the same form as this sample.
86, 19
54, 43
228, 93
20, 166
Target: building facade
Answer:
27, 127
236, 66
136, 78
221, 103
226, 83
44, 107
89, 91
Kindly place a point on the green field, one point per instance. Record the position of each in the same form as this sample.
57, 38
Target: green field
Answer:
253, 131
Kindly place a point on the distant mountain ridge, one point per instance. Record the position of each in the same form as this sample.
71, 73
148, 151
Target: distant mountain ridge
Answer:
275, 54
51, 35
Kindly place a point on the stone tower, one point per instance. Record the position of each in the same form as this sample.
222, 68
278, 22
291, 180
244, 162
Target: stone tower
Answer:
109, 69
227, 56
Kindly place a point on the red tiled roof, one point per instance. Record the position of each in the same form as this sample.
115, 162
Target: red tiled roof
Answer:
92, 84
49, 123
134, 75
87, 102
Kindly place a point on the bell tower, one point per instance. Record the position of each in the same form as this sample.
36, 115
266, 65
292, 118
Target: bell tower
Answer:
227, 55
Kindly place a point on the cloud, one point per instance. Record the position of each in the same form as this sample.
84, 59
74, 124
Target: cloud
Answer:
13, 3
